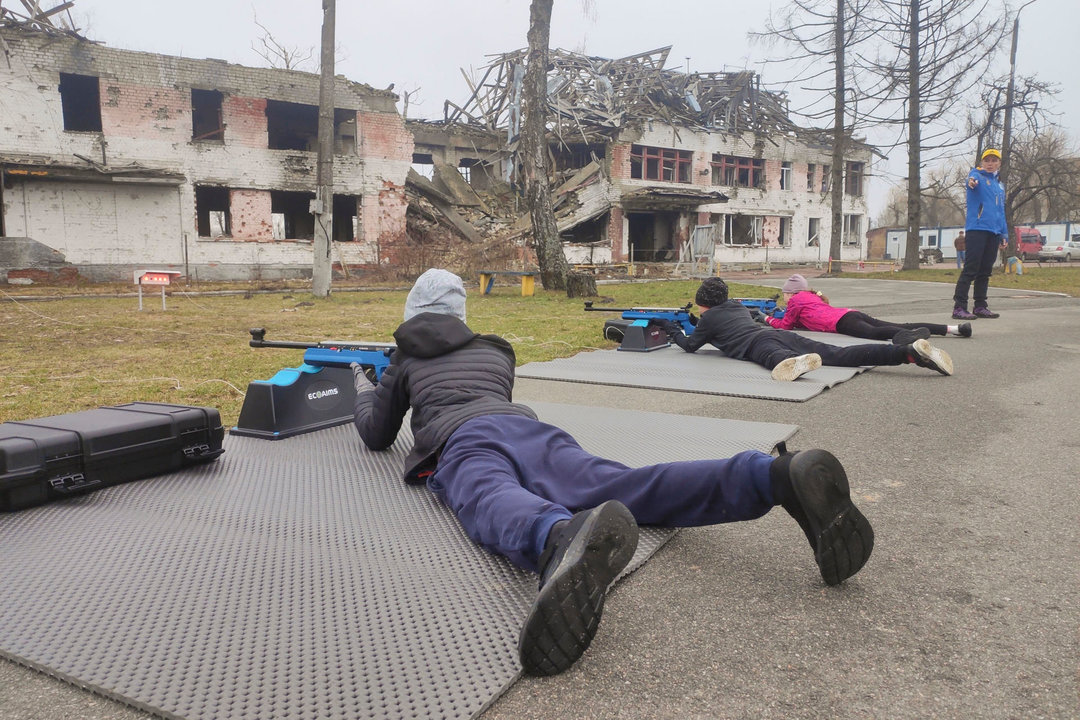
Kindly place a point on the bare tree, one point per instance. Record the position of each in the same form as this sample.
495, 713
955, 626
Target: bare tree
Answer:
278, 54
1044, 182
935, 53
820, 29
534, 150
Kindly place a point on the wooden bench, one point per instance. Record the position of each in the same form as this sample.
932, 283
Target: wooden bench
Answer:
528, 280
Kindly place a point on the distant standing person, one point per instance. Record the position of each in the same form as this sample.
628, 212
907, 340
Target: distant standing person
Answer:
986, 229
961, 249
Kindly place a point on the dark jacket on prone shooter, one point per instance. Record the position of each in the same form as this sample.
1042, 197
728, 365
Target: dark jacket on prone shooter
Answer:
728, 326
447, 374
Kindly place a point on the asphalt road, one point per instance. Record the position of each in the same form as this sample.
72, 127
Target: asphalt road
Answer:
969, 607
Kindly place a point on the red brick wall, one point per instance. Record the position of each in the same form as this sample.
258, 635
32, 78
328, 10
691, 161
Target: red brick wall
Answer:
620, 161
137, 111
245, 121
701, 162
383, 136
615, 235
772, 174
250, 211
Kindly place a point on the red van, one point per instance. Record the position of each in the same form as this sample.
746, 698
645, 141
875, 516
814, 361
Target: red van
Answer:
1029, 242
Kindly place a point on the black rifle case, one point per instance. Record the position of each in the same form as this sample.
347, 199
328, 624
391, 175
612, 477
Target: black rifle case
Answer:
64, 455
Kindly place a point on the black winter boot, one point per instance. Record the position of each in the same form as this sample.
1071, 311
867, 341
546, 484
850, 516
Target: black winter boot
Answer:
813, 487
580, 559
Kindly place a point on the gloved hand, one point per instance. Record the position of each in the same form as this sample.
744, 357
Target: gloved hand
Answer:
669, 326
363, 376
758, 316
693, 319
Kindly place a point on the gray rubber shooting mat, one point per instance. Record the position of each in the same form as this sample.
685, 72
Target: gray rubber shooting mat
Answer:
706, 371
299, 578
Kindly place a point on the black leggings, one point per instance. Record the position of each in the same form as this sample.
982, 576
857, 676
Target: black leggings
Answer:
860, 325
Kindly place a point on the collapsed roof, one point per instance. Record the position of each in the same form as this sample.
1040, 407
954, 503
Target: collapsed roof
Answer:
592, 98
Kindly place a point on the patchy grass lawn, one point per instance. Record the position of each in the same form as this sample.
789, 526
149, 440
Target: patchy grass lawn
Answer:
71, 354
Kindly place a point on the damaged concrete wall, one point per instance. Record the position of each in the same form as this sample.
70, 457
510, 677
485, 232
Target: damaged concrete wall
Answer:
802, 203
126, 194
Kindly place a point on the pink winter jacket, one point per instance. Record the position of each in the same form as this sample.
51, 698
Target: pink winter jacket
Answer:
806, 311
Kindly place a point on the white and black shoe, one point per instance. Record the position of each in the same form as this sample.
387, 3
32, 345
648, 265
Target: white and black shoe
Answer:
926, 355
795, 367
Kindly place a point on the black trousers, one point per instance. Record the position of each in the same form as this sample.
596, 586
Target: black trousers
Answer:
859, 324
769, 349
982, 253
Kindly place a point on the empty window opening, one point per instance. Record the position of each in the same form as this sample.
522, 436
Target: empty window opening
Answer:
591, 231
852, 229
826, 178
663, 164
424, 165
652, 235
735, 171
80, 96
465, 167
212, 211
811, 170
206, 123
853, 179
576, 156
743, 229
344, 131
291, 215
785, 176
292, 126
784, 238
813, 230
344, 218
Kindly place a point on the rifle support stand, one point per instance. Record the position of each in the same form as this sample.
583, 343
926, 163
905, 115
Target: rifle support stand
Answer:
297, 400
643, 336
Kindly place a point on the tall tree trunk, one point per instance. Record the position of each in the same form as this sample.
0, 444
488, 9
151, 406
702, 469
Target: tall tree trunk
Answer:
534, 153
1006, 138
836, 172
911, 253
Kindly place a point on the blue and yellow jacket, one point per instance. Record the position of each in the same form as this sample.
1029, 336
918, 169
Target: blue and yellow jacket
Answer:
986, 203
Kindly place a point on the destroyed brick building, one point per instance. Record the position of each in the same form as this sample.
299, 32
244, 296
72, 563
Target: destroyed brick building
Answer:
113, 160
654, 164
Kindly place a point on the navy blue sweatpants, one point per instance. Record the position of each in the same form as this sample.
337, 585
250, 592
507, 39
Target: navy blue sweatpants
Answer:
508, 479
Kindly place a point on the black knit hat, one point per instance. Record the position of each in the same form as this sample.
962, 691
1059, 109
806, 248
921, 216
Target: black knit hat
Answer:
713, 292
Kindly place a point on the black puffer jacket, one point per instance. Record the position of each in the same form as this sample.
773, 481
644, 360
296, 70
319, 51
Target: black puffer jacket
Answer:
447, 374
727, 326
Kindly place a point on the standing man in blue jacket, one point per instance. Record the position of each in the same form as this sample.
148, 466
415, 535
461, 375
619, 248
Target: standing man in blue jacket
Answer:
985, 230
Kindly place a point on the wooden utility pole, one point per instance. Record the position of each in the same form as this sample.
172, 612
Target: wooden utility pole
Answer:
323, 207
1006, 131
914, 118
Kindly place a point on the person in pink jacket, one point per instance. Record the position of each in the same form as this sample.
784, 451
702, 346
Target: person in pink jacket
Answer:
807, 309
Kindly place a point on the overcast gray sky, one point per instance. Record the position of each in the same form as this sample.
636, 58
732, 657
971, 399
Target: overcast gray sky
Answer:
423, 44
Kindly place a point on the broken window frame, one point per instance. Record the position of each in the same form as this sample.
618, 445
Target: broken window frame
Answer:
783, 238
207, 121
661, 164
811, 171
786, 172
213, 206
853, 178
736, 171
852, 229
813, 232
826, 178
752, 236
80, 102
292, 126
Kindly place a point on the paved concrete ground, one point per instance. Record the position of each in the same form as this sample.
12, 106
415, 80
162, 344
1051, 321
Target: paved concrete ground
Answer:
969, 607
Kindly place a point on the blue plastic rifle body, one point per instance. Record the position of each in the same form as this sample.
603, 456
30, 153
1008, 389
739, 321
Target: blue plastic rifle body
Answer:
765, 305
334, 353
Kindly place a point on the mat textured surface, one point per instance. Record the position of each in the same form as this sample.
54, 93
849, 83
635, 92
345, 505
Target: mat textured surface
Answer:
706, 371
299, 578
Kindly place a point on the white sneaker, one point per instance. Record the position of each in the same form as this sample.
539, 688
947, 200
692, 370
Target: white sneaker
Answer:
928, 356
795, 367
